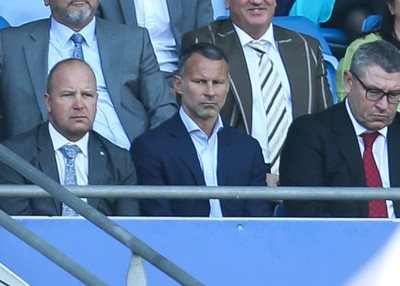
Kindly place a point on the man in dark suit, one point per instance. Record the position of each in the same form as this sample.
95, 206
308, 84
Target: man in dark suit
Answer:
328, 149
166, 21
195, 147
71, 102
132, 94
296, 58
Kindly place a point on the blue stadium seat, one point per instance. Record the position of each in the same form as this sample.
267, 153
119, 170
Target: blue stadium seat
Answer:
303, 25
3, 23
371, 23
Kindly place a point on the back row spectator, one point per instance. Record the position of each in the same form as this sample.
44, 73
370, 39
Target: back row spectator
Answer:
132, 93
166, 21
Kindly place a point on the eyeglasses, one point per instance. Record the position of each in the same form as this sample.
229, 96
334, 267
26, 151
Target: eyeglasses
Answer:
375, 94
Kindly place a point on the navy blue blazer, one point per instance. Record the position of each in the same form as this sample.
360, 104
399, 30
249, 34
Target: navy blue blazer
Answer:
166, 155
322, 150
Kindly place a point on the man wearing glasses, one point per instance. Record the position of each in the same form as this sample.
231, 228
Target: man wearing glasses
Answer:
355, 143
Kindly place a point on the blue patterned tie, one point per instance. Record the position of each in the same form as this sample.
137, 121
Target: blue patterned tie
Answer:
69, 152
78, 40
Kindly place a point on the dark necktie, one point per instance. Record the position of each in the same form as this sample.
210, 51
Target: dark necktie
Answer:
70, 152
78, 40
274, 104
376, 209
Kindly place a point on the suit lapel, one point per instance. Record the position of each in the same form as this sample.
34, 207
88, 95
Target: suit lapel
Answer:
298, 84
110, 58
240, 82
183, 146
97, 165
347, 142
128, 11
46, 158
36, 54
224, 156
97, 161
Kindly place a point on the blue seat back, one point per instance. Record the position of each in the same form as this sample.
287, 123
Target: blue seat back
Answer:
3, 23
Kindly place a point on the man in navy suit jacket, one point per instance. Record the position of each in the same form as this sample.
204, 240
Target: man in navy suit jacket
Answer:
326, 149
194, 147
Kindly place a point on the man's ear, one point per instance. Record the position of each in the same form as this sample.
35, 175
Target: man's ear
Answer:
348, 81
47, 102
176, 83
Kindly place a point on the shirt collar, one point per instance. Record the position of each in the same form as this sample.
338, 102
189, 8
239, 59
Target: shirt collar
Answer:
268, 36
63, 34
59, 140
359, 129
191, 126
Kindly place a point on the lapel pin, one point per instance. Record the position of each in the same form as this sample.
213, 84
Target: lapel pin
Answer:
101, 153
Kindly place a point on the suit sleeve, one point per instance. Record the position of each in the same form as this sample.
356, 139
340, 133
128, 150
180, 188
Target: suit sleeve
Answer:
13, 206
302, 164
205, 13
150, 172
325, 99
155, 94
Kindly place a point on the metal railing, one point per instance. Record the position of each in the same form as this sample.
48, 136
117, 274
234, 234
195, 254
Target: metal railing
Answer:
60, 193
202, 192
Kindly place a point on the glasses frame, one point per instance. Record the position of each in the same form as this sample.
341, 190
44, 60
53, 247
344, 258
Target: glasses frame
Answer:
389, 96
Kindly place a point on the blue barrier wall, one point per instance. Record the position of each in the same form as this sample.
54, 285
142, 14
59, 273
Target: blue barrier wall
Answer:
217, 252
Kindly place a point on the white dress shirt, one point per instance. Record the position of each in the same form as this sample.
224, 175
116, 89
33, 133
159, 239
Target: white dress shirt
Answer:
207, 153
61, 46
259, 122
380, 152
153, 15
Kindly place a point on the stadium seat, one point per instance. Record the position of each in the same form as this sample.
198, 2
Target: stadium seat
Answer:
3, 23
371, 23
303, 25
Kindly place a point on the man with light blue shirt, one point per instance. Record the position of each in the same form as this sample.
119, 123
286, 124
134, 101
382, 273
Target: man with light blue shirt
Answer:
195, 147
262, 106
166, 21
132, 94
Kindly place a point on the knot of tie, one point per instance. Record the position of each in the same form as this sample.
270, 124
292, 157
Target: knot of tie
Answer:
77, 38
258, 45
369, 138
70, 151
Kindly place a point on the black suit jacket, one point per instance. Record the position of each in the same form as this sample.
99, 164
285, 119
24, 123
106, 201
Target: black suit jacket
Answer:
108, 165
166, 155
322, 150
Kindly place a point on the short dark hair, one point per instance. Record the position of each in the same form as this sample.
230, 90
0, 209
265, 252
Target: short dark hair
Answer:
380, 53
208, 50
59, 64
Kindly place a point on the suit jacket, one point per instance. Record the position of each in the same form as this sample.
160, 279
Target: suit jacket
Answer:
184, 15
301, 56
166, 155
141, 98
108, 165
322, 150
